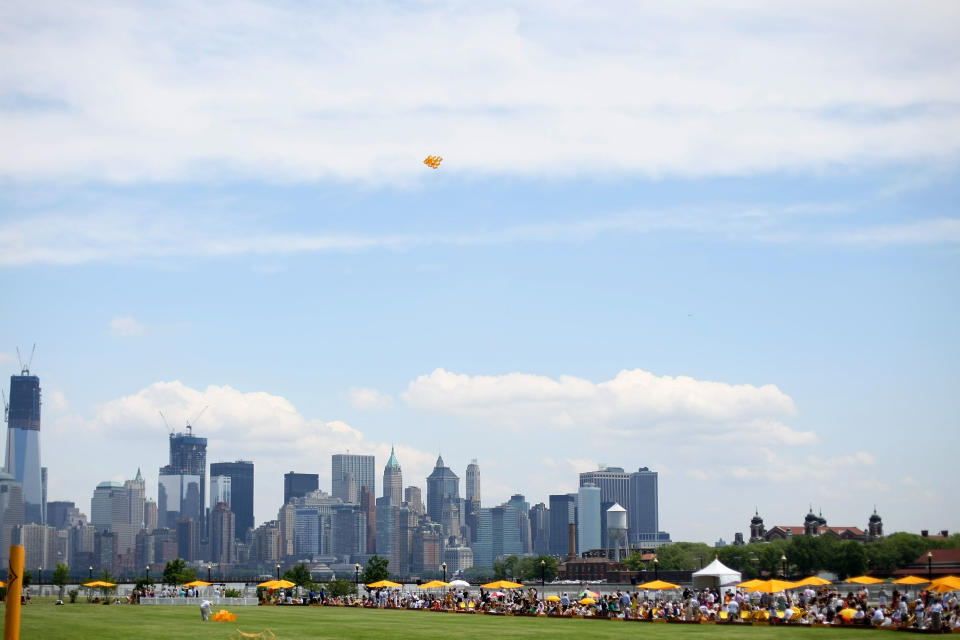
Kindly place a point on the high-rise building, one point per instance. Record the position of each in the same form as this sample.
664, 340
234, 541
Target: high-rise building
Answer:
349, 532
110, 511
63, 514
221, 490
368, 505
472, 487
393, 479
39, 545
241, 492
150, 515
589, 524
349, 474
643, 514
540, 529
519, 502
137, 496
11, 513
23, 442
297, 485
499, 535
414, 500
443, 486
182, 487
562, 515
222, 534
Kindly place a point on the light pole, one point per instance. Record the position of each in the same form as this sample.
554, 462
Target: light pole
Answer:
208, 572
39, 576
278, 571
148, 574
783, 563
91, 572
356, 579
543, 572
656, 568
930, 566
444, 567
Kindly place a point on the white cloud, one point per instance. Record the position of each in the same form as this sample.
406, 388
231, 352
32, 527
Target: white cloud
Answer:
305, 93
126, 327
371, 399
634, 403
256, 426
56, 399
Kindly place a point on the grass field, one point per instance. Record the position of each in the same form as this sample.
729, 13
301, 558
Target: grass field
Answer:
43, 621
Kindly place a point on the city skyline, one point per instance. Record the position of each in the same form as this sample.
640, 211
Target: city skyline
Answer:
714, 241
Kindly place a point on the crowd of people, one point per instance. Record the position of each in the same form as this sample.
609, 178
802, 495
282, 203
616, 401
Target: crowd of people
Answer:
824, 606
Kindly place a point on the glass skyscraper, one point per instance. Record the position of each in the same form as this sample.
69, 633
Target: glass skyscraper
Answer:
241, 492
182, 488
349, 474
23, 442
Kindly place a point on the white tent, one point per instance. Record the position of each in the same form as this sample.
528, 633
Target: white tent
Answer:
715, 574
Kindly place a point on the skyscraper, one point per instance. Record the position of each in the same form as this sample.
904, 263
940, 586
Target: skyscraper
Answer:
540, 529
499, 535
393, 480
443, 486
241, 492
23, 442
472, 486
643, 511
110, 511
588, 519
297, 485
349, 474
222, 534
182, 486
11, 512
562, 515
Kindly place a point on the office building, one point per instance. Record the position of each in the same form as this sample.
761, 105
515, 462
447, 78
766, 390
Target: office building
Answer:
221, 490
11, 513
241, 492
472, 486
110, 511
349, 474
563, 512
393, 479
589, 524
183, 483
23, 442
643, 511
499, 535
540, 529
297, 485
443, 490
222, 534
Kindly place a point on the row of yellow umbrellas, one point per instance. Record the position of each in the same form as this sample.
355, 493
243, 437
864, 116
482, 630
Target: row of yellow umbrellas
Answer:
941, 585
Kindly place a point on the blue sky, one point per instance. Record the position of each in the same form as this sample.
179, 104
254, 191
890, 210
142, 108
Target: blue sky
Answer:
719, 240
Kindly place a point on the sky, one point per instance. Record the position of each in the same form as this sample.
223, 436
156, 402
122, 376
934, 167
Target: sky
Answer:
717, 239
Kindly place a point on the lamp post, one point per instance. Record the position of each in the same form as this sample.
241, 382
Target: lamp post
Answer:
148, 574
278, 571
656, 568
783, 563
444, 567
356, 578
208, 572
543, 572
91, 572
39, 576
930, 566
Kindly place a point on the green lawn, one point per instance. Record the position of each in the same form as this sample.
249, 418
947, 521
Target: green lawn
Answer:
43, 621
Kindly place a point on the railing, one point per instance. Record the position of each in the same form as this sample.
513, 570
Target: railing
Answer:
233, 602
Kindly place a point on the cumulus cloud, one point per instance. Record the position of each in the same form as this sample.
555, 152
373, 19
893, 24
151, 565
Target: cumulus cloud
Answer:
256, 426
294, 92
126, 327
372, 399
634, 402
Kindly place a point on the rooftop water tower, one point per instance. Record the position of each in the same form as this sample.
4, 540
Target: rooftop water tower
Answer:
617, 529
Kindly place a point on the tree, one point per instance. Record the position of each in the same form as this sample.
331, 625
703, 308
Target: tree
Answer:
506, 569
176, 572
300, 576
61, 576
478, 574
530, 571
376, 570
634, 562
27, 578
340, 587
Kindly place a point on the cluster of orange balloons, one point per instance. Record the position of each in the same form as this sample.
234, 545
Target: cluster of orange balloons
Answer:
433, 161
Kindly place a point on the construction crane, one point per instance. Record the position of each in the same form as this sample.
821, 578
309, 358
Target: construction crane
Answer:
195, 418
25, 369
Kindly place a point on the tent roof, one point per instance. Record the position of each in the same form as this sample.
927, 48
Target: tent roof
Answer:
719, 570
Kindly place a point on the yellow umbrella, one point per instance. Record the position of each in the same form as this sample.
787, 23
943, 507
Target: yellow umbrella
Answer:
749, 584
771, 586
99, 583
198, 583
383, 583
848, 613
502, 584
949, 581
587, 601
910, 580
553, 598
434, 584
812, 581
943, 587
658, 584
864, 580
269, 584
